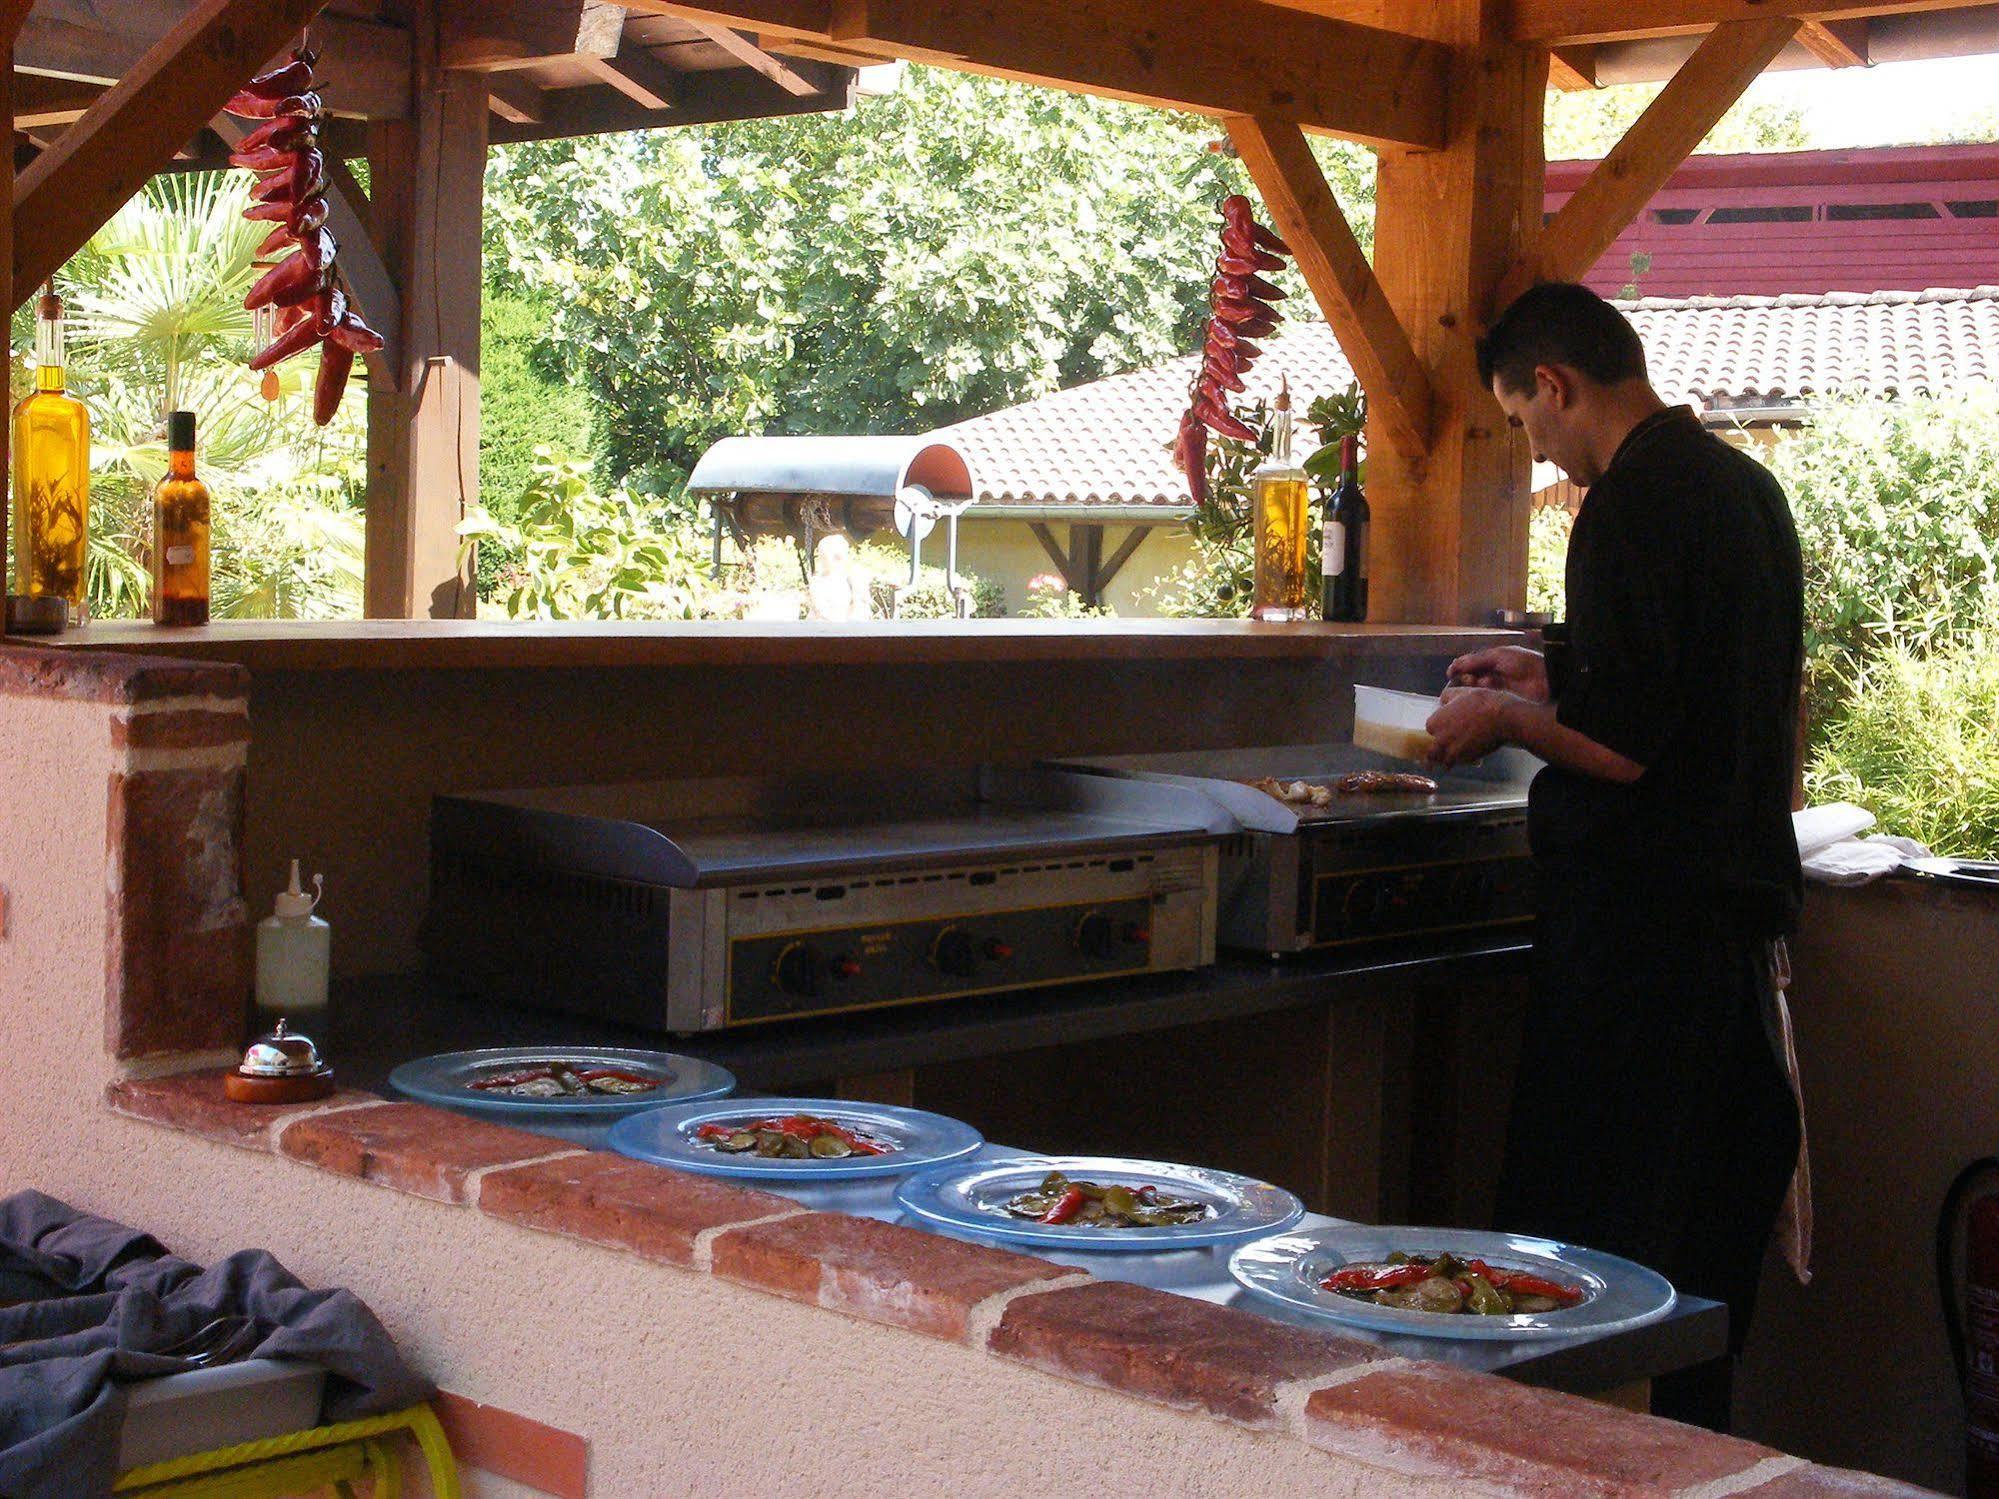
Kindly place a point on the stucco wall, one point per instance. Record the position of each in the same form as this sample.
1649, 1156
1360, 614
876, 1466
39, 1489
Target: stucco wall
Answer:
1007, 552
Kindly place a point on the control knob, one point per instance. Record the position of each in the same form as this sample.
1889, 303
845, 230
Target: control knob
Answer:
799, 970
1096, 936
954, 952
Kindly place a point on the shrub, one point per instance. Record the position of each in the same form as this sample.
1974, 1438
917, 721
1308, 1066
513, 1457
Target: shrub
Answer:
1548, 559
1916, 741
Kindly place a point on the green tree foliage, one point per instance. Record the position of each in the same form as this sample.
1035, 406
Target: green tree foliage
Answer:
937, 252
1583, 124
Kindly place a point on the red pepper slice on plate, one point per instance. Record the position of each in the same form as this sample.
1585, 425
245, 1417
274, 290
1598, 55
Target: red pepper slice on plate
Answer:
1375, 1277
1067, 1206
1533, 1285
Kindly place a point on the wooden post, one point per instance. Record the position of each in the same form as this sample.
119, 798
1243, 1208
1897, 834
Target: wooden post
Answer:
428, 179
1450, 525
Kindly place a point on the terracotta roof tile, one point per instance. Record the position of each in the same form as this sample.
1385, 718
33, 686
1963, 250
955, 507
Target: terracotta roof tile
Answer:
1106, 443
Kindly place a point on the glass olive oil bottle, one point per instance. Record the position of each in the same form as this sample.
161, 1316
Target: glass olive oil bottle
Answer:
180, 532
1281, 520
51, 473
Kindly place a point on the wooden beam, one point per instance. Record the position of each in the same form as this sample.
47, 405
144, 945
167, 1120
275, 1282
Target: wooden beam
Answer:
1055, 553
1134, 539
516, 100
1280, 161
1837, 44
365, 64
423, 424
362, 269
50, 101
1655, 145
126, 136
750, 55
1449, 539
495, 35
1562, 23
639, 76
1572, 68
1359, 81
817, 51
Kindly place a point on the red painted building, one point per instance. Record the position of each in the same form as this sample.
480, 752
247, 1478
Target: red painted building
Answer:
1902, 218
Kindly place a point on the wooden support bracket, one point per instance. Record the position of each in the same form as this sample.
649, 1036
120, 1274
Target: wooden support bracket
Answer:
639, 76
1559, 23
1572, 68
1708, 82
181, 83
1837, 44
516, 100
1308, 216
362, 268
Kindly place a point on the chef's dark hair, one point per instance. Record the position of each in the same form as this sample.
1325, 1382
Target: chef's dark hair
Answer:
1559, 322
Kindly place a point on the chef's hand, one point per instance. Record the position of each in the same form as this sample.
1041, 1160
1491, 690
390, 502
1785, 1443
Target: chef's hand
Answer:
1512, 668
1471, 723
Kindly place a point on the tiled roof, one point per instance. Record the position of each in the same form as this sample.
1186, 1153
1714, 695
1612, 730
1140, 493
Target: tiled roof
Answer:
1105, 443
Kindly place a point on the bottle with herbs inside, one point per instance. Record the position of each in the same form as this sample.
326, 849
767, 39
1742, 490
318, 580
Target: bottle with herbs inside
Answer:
1282, 504
1343, 547
180, 532
51, 474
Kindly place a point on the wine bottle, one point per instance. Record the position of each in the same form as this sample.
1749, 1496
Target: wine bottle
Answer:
180, 532
1343, 544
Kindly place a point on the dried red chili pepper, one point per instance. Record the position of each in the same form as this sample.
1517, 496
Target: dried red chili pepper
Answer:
335, 362
280, 133
290, 280
296, 339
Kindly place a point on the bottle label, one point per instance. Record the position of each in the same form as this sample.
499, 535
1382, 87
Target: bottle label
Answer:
1333, 549
180, 556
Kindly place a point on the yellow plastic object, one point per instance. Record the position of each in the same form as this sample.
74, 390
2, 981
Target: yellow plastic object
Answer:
302, 1461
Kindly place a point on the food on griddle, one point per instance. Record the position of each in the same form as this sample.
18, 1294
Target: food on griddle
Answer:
1377, 782
1450, 1284
557, 1079
1294, 793
1083, 1204
795, 1137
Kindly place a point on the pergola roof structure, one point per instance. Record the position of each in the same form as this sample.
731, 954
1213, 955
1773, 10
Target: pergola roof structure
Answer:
1449, 92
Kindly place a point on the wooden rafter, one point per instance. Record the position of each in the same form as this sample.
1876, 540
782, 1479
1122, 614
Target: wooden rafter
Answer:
362, 268
134, 129
517, 100
1560, 23
750, 55
1837, 44
497, 35
1657, 142
1387, 88
639, 76
1280, 160
1572, 68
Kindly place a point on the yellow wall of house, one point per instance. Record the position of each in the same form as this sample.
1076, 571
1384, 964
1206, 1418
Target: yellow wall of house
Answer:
1008, 554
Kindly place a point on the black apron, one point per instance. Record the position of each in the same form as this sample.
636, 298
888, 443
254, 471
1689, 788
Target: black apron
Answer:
1651, 1117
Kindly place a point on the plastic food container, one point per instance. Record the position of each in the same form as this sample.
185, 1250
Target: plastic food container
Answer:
1391, 723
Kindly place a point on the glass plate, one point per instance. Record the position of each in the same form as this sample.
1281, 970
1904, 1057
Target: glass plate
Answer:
971, 1198
666, 1137
446, 1081
1618, 1294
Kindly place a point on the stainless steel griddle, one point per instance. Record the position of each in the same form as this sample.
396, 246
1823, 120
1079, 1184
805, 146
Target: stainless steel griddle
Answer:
695, 904
1368, 868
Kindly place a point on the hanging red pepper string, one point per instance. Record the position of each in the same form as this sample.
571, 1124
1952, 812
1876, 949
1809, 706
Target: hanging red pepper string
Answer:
291, 193
1242, 306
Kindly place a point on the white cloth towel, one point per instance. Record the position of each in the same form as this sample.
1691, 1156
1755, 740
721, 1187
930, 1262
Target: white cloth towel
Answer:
1834, 853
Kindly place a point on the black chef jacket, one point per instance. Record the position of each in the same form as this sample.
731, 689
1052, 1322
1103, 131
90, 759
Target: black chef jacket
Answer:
1682, 652
1650, 1117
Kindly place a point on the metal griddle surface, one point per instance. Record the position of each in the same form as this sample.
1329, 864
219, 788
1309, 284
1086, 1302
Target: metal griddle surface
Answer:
1499, 785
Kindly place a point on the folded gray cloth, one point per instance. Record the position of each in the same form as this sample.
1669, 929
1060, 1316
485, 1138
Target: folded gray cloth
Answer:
111, 1299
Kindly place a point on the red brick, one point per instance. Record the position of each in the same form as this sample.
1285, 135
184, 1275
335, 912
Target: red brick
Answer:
1171, 1349
195, 1102
1430, 1420
633, 1205
412, 1148
178, 966
882, 1272
106, 677
191, 728
1814, 1482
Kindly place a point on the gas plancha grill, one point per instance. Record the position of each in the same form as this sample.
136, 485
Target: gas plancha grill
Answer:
691, 905
1368, 868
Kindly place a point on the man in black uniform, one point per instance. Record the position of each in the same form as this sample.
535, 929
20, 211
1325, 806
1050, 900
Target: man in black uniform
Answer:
1652, 1117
